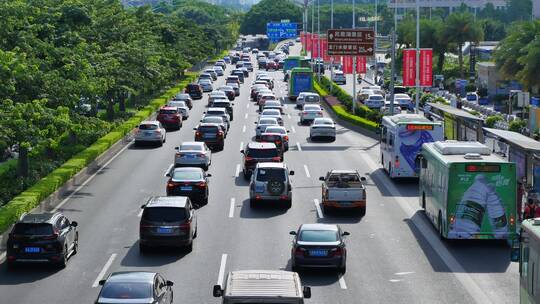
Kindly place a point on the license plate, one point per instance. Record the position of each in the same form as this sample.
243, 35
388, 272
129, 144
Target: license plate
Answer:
209, 135
32, 249
190, 156
164, 230
147, 133
186, 188
318, 253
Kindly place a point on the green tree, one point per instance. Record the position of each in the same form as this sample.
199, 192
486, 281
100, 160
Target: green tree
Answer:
259, 15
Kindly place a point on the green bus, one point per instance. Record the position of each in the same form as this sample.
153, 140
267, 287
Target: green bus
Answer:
295, 62
467, 192
529, 260
301, 80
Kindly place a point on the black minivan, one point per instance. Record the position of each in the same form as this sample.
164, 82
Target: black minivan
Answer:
194, 90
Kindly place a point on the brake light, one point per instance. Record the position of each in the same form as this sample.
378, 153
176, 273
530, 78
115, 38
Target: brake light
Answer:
319, 114
201, 185
286, 138
512, 220
249, 158
51, 237
197, 133
277, 158
337, 251
300, 251
157, 131
185, 226
171, 185
396, 162
220, 134
452, 219
200, 155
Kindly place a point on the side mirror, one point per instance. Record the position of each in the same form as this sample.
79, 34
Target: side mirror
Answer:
74, 224
170, 283
363, 179
102, 282
168, 175
255, 122
242, 151
195, 129
288, 131
291, 173
217, 292
143, 206
178, 148
345, 233
292, 232
208, 175
200, 120
307, 292
321, 178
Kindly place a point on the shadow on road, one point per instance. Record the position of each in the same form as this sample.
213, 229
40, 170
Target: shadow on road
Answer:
153, 257
263, 210
26, 273
408, 186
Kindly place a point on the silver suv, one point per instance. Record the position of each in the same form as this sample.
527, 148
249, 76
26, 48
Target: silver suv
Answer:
270, 182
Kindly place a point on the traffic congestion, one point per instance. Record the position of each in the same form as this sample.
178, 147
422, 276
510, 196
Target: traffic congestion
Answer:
245, 188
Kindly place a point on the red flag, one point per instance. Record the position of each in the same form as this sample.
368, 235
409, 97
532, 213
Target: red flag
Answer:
361, 64
315, 51
409, 68
426, 68
347, 64
308, 42
324, 48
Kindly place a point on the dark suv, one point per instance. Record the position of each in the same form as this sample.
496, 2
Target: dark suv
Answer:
257, 152
227, 105
194, 90
211, 135
167, 221
44, 237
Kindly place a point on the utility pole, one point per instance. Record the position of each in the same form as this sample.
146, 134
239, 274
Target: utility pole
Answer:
416, 108
312, 28
319, 40
332, 58
354, 61
393, 73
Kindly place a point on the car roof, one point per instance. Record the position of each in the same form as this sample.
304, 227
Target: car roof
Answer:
167, 201
319, 227
194, 143
215, 109
271, 165
132, 276
39, 217
188, 169
260, 145
169, 107
149, 122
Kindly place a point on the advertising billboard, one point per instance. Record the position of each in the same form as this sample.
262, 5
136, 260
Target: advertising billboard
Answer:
426, 67
409, 68
361, 62
277, 31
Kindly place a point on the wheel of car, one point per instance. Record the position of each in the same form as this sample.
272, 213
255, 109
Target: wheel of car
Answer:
343, 269
76, 243
288, 204
296, 269
189, 247
362, 211
275, 187
251, 203
205, 167
246, 175
63, 261
195, 234
326, 210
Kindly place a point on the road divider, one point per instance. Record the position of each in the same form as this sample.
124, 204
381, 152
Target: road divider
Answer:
104, 270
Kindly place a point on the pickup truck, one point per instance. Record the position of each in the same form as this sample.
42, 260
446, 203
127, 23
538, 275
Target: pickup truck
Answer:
343, 189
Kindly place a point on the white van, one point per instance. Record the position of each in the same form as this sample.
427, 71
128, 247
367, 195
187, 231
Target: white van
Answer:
262, 286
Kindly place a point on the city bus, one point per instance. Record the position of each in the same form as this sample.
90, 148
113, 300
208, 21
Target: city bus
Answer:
301, 80
295, 62
529, 260
401, 139
468, 192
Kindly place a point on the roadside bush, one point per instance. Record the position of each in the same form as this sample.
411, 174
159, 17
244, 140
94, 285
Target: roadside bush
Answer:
359, 121
517, 125
492, 120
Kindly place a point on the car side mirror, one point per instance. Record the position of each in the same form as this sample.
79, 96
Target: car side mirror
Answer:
242, 151
168, 175
345, 233
217, 292
143, 206
102, 282
208, 175
74, 224
307, 292
362, 179
200, 120
170, 283
178, 148
321, 178
292, 232
288, 131
255, 122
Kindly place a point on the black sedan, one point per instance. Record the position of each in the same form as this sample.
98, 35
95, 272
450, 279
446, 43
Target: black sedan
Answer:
191, 182
135, 287
319, 246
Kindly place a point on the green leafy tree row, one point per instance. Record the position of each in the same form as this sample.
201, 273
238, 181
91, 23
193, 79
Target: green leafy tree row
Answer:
255, 20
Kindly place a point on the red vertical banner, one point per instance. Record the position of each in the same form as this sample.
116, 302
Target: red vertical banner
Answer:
303, 40
409, 68
347, 64
315, 52
361, 62
308, 42
324, 48
426, 68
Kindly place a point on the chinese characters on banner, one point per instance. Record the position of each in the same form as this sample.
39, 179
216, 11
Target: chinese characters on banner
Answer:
409, 67
347, 64
308, 42
324, 49
315, 51
361, 62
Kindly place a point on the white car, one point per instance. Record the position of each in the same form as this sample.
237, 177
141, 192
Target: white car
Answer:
273, 104
263, 123
206, 85
374, 101
339, 77
275, 113
309, 113
191, 154
322, 127
281, 131
182, 107
472, 97
308, 98
150, 131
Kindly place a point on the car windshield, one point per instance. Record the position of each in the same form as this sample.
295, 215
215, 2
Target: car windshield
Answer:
182, 96
312, 98
272, 103
270, 112
167, 111
318, 236
127, 290
190, 147
221, 104
262, 153
274, 174
182, 175
148, 127
376, 97
164, 214
33, 229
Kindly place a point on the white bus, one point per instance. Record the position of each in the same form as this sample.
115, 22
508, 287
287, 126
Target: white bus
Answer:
401, 140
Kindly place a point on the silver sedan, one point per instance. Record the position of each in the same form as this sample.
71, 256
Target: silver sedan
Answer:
193, 154
322, 127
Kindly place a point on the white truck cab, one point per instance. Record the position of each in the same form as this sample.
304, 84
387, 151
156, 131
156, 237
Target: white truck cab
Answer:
262, 286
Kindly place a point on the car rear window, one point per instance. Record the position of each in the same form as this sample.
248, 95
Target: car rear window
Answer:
318, 236
208, 129
127, 290
164, 214
270, 138
33, 229
312, 98
274, 174
168, 111
148, 127
213, 119
193, 87
275, 130
187, 175
262, 153
190, 147
221, 104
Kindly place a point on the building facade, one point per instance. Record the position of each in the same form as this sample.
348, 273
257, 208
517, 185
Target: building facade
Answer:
449, 4
536, 9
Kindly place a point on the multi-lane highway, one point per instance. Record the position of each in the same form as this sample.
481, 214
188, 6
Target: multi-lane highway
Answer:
394, 254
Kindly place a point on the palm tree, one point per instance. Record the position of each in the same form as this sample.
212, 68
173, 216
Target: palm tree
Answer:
461, 28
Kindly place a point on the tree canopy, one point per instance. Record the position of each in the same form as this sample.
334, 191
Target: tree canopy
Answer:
255, 20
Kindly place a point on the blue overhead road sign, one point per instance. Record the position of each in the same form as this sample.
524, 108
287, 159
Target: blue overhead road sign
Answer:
277, 31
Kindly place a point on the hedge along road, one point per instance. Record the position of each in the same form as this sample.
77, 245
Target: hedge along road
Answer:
392, 256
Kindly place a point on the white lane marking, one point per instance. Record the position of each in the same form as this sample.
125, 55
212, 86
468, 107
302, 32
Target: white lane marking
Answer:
394, 280
455, 267
293, 129
307, 171
404, 273
237, 172
318, 207
244, 129
104, 270
285, 106
89, 179
140, 213
289, 116
298, 146
222, 269
231, 209
247, 106
342, 283
246, 116
168, 170
241, 146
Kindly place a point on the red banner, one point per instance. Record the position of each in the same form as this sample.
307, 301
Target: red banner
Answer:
361, 62
308, 42
324, 48
426, 67
347, 64
409, 68
315, 51
303, 40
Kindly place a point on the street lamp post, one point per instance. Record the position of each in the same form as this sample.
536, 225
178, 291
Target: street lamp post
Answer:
417, 99
354, 61
332, 58
318, 39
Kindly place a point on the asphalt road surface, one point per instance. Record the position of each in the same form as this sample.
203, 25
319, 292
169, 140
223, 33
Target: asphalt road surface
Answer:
394, 254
